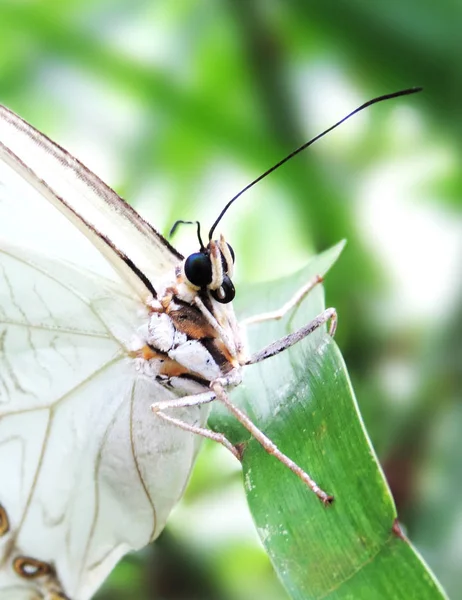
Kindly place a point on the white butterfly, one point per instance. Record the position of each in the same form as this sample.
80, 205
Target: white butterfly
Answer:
99, 319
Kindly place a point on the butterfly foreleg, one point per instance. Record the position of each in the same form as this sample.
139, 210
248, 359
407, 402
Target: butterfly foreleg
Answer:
296, 299
287, 341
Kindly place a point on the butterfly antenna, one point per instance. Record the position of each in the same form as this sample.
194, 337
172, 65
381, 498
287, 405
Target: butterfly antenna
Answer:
181, 222
407, 92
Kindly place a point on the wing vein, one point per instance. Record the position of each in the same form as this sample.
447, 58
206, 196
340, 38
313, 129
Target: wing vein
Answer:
88, 302
98, 461
138, 470
69, 393
51, 410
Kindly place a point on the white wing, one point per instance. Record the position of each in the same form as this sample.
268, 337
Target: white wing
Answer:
134, 248
86, 471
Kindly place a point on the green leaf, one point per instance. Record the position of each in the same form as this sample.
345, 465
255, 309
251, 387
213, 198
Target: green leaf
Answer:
303, 400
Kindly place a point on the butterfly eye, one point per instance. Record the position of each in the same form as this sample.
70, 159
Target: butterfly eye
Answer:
226, 292
198, 269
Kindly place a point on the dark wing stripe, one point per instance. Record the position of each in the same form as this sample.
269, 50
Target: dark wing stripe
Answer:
88, 177
133, 247
87, 225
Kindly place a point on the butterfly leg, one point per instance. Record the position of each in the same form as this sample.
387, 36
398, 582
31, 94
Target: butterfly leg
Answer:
194, 400
267, 444
271, 350
218, 392
287, 341
296, 299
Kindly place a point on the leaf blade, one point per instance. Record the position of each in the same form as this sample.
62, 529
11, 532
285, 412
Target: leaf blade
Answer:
303, 400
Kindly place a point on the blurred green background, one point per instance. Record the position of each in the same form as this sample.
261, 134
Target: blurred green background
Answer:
178, 105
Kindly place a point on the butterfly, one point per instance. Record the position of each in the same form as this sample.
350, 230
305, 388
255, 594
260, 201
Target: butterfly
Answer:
112, 348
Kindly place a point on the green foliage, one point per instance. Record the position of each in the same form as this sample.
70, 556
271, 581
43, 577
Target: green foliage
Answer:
304, 402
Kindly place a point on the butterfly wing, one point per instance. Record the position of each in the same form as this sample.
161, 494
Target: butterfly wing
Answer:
135, 249
86, 471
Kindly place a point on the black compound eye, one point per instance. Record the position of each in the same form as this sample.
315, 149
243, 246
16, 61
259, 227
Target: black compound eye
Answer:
227, 291
198, 269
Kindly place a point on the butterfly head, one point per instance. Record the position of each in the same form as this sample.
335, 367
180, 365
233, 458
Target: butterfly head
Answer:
212, 268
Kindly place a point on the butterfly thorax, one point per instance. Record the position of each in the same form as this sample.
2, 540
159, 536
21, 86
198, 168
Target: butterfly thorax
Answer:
191, 332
